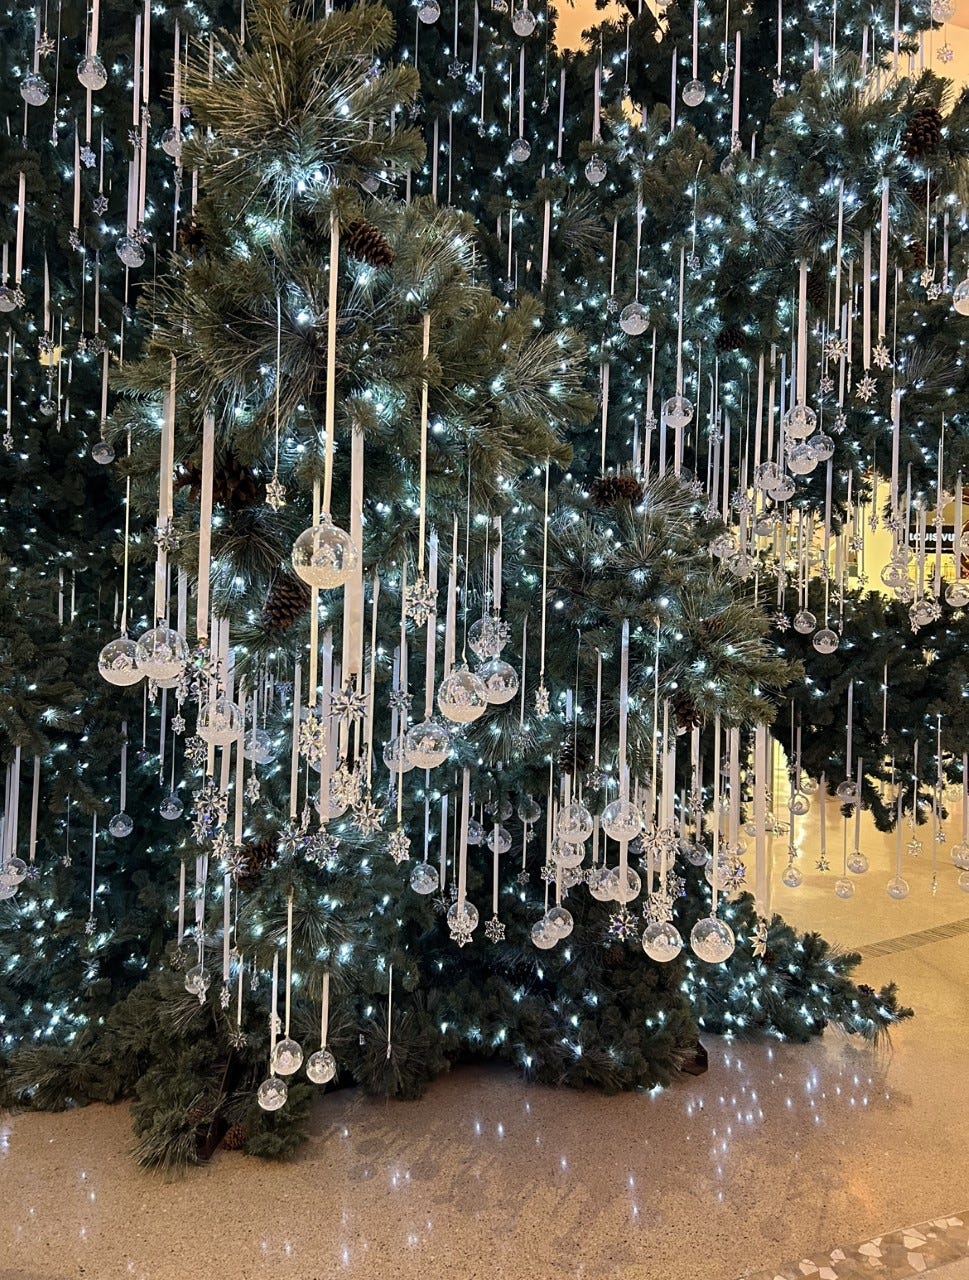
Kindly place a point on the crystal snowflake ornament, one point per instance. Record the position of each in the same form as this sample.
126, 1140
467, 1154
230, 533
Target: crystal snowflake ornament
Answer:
934, 291
275, 493
542, 701
312, 738
367, 816
420, 600
348, 704
926, 276
622, 925
880, 357
866, 388
99, 206
398, 846
495, 930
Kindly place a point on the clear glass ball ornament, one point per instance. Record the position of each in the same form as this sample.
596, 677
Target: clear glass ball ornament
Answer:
629, 891
662, 942
825, 640
171, 142
427, 744
121, 825
847, 791
7, 889
722, 872
259, 746
722, 546
804, 622
500, 680
963, 881
476, 832
559, 921
792, 876
220, 722
678, 412
739, 564
857, 862
696, 855
424, 878
905, 592
272, 1094
14, 871
486, 638
601, 884
844, 889
595, 170
117, 662
130, 251
92, 73
783, 490
823, 447
634, 319
801, 459
324, 556
170, 807
800, 422
960, 855
335, 806
694, 91
800, 804
808, 784
712, 940
102, 451
622, 820
287, 1057
893, 575
161, 653
501, 809
921, 612
34, 89
467, 919
575, 823
499, 839
567, 855
957, 594
542, 936
523, 21
942, 10
529, 810
321, 1067
8, 299
395, 756
197, 980
960, 297
462, 696
767, 474
521, 149
428, 12
897, 888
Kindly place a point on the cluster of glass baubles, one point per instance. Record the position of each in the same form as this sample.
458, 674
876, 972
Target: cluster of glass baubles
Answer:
160, 654
286, 1060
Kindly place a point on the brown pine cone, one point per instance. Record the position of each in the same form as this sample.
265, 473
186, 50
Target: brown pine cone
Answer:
922, 133
236, 1137
612, 488
574, 757
233, 485
363, 241
916, 251
730, 337
817, 288
191, 237
198, 1114
256, 856
286, 602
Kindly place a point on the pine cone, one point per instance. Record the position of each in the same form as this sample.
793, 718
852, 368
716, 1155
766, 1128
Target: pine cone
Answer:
817, 289
611, 489
236, 1137
730, 337
916, 252
286, 602
363, 241
922, 133
198, 1114
574, 757
257, 856
191, 237
233, 485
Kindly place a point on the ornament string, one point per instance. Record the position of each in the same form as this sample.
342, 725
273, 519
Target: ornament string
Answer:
422, 513
331, 329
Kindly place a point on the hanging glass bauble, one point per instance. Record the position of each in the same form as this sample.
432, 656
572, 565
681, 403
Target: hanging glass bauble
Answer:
102, 451
823, 447
847, 791
662, 942
465, 921
499, 839
960, 297
427, 744
34, 89
696, 855
825, 640
804, 622
171, 142
963, 881
857, 862
893, 575
259, 746
694, 91
476, 832
197, 980
960, 855
336, 803
8, 299
287, 1057
575, 823
792, 876
739, 564
91, 73
542, 936
500, 680
622, 820
220, 722
121, 825
117, 663
559, 921
601, 883
272, 1094
567, 855
7, 890
523, 21
766, 475
712, 940
921, 613
634, 319
529, 810
678, 412
487, 637
801, 459
13, 871
424, 878
521, 149
501, 809
130, 251
161, 653
462, 696
897, 888
324, 556
395, 756
629, 891
321, 1067
595, 170
723, 871
844, 889
428, 12
783, 490
942, 10
170, 807
957, 594
800, 422
800, 804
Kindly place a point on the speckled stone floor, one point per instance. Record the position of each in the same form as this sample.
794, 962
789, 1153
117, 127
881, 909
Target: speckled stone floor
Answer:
776, 1161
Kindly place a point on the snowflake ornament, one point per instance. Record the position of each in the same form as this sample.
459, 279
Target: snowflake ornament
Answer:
312, 738
420, 599
926, 276
542, 701
782, 622
623, 925
368, 816
398, 846
494, 930
275, 493
880, 357
866, 388
348, 704
934, 291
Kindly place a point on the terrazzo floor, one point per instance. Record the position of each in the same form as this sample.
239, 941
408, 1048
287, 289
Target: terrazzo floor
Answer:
782, 1161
